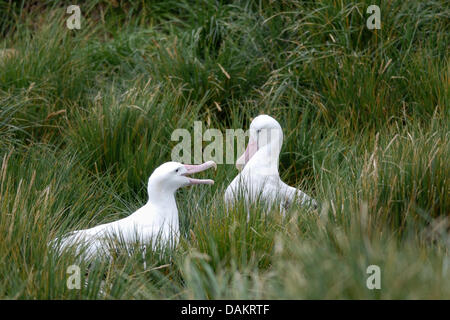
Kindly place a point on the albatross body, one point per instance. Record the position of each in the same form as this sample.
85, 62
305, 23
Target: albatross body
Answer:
259, 178
156, 221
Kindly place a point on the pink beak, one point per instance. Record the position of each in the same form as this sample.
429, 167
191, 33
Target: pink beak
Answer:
194, 168
252, 147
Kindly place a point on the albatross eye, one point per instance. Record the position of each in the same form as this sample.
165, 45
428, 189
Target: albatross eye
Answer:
177, 170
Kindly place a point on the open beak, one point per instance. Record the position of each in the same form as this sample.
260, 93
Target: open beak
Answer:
252, 147
194, 168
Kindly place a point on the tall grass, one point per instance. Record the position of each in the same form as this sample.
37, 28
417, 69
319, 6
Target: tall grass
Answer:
86, 115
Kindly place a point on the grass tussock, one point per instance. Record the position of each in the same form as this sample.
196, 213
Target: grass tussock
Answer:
86, 115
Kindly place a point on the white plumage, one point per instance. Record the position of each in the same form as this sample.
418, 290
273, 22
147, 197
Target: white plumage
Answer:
259, 178
155, 222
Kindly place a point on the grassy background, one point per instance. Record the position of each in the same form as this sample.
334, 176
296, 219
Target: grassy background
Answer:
86, 115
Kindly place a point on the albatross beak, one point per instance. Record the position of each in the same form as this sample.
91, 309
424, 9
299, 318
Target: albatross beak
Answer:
194, 168
252, 147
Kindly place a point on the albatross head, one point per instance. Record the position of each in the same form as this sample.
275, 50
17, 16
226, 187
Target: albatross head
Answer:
265, 134
171, 176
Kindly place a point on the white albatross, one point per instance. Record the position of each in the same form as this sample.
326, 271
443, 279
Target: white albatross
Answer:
259, 178
156, 221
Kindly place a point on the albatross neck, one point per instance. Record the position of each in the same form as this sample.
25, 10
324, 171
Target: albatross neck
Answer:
265, 160
159, 196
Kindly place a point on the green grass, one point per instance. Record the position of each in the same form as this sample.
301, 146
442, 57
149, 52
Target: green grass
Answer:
86, 115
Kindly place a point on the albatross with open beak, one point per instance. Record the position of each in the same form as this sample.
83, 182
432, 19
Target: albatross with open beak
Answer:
259, 178
157, 220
